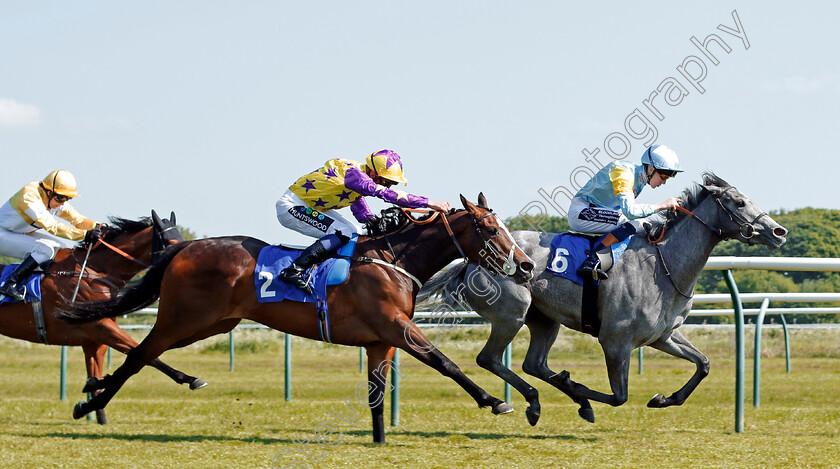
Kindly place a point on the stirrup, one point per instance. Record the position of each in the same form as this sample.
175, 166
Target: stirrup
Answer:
12, 292
592, 269
295, 278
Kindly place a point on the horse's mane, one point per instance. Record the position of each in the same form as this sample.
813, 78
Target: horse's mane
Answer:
118, 226
393, 219
692, 196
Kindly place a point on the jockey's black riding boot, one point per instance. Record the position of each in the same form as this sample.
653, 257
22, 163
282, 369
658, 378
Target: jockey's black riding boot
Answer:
320, 251
23, 270
600, 258
591, 267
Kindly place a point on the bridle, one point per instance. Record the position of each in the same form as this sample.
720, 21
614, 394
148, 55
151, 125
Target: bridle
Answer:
746, 229
508, 266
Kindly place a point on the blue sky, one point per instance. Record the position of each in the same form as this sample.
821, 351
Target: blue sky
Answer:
212, 109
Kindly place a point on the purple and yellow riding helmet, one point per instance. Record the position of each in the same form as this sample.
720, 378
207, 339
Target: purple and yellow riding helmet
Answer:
387, 164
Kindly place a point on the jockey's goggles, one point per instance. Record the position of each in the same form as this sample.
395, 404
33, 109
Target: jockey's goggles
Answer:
666, 174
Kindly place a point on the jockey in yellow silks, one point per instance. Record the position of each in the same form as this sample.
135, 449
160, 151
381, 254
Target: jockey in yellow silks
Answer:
28, 223
309, 205
608, 201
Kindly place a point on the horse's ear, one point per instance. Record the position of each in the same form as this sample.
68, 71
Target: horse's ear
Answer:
482, 201
172, 218
467, 204
156, 218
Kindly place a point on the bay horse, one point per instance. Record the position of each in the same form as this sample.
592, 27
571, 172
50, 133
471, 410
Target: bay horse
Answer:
127, 247
207, 287
645, 300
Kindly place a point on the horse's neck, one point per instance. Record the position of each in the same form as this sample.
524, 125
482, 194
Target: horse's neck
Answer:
689, 244
423, 250
114, 265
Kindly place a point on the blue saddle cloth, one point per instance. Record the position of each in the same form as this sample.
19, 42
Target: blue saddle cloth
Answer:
33, 285
273, 259
569, 250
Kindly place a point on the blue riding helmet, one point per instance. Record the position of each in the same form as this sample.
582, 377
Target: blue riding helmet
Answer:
663, 159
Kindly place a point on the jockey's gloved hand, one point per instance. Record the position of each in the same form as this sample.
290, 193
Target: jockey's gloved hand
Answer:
372, 225
92, 235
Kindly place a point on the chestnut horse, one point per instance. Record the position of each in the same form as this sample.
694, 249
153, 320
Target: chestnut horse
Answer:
207, 287
107, 270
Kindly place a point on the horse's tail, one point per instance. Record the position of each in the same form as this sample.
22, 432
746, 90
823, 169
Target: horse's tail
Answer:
444, 284
130, 299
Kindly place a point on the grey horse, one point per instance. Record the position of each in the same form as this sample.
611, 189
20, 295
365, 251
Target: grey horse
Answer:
645, 300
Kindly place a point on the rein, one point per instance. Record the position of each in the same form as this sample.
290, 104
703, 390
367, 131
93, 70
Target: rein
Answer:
120, 252
445, 223
97, 276
432, 218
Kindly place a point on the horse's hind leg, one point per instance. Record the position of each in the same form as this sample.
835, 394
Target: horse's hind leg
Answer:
543, 334
490, 358
617, 355
136, 359
108, 332
380, 358
677, 345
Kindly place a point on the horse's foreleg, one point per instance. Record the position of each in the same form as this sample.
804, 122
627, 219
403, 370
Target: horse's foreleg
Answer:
490, 358
379, 362
94, 359
543, 334
677, 345
412, 340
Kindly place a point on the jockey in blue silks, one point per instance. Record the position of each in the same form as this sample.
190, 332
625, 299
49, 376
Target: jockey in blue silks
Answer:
608, 201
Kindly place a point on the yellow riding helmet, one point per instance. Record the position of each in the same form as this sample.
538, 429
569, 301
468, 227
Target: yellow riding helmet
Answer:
61, 182
387, 164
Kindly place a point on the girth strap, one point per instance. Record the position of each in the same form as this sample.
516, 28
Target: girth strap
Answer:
323, 320
370, 260
40, 326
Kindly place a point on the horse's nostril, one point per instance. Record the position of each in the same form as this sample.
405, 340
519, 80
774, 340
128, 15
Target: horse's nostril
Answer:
526, 266
780, 232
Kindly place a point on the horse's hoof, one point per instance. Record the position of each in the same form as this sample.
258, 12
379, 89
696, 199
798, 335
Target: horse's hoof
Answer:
197, 383
502, 408
533, 415
92, 384
657, 401
587, 414
78, 410
100, 417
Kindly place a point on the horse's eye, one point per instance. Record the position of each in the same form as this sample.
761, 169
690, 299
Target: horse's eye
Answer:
494, 231
740, 203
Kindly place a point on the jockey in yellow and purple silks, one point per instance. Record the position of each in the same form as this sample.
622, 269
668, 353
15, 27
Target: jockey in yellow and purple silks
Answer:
608, 201
35, 207
309, 205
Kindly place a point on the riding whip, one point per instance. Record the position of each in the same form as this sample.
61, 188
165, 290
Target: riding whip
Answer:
81, 273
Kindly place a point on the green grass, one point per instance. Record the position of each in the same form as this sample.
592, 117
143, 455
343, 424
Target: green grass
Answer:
242, 419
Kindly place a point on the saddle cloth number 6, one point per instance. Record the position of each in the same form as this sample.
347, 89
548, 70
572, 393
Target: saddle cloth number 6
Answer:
560, 263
